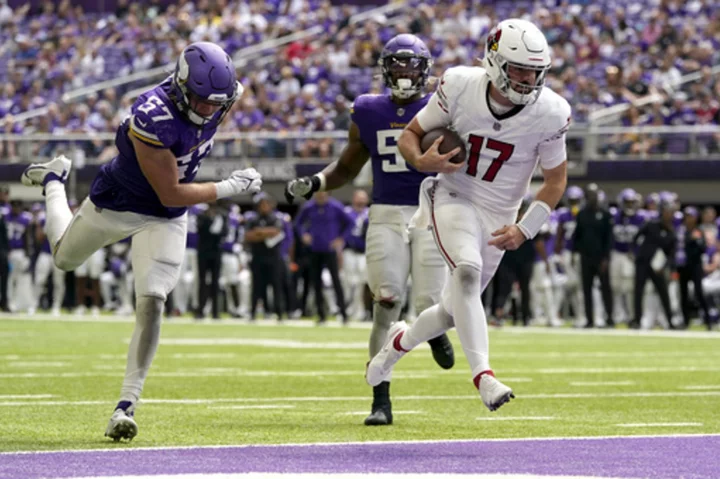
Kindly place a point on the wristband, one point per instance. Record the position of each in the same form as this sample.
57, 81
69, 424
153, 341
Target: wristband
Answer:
534, 218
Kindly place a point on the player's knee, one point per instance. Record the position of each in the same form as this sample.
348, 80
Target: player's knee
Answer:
388, 297
64, 262
158, 279
468, 278
150, 308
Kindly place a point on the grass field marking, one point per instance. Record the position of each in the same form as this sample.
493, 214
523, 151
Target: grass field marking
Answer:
515, 418
472, 397
256, 406
219, 372
27, 396
701, 387
602, 383
361, 443
661, 424
306, 323
365, 413
38, 364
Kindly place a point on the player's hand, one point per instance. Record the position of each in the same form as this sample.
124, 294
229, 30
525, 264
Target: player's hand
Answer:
337, 244
307, 239
507, 238
239, 182
301, 187
432, 161
604, 265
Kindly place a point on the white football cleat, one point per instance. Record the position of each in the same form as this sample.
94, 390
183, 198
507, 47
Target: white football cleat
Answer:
494, 393
39, 174
121, 426
380, 367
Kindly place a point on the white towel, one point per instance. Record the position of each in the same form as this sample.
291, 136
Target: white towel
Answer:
421, 218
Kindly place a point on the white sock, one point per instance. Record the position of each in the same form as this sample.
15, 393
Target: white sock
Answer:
431, 323
470, 318
143, 346
58, 212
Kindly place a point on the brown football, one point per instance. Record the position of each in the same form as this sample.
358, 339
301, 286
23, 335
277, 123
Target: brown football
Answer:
450, 141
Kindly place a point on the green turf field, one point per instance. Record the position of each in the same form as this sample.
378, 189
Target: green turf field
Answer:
234, 383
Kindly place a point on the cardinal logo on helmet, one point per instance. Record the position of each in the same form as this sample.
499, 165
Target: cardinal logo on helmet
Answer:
494, 39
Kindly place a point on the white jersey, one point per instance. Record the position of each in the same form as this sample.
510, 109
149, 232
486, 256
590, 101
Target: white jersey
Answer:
503, 150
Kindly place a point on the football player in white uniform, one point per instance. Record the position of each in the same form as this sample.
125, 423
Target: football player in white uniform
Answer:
511, 123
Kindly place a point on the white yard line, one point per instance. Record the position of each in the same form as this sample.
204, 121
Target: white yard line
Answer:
661, 424
256, 406
341, 475
472, 397
362, 443
365, 325
38, 364
702, 387
26, 396
516, 418
602, 383
365, 413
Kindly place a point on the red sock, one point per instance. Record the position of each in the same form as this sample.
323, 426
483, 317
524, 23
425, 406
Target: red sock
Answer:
477, 378
396, 343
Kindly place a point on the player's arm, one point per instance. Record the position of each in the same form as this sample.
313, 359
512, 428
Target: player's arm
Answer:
336, 174
560, 238
435, 114
159, 166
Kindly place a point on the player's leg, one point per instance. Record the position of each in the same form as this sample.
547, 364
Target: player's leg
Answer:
81, 275
96, 266
58, 288
618, 285
107, 281
428, 272
388, 265
333, 268
43, 268
628, 281
157, 254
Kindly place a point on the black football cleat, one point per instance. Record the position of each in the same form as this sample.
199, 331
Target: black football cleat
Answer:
380, 416
442, 351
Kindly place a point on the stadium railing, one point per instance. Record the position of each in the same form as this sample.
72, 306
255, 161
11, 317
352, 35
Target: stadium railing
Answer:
591, 143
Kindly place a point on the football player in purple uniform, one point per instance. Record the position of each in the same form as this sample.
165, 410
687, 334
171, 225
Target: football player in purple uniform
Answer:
392, 254
144, 192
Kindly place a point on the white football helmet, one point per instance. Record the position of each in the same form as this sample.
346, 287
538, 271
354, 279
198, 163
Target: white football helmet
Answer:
517, 43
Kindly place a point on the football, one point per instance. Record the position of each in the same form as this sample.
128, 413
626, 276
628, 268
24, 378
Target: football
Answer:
450, 141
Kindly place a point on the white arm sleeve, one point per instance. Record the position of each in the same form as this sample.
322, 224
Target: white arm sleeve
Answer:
552, 153
551, 150
435, 114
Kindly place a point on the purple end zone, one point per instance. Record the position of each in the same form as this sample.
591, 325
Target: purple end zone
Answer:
689, 457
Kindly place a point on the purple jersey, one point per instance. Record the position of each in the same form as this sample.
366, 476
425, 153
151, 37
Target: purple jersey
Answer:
380, 122
355, 240
156, 122
17, 226
231, 238
625, 228
45, 246
192, 226
566, 219
288, 231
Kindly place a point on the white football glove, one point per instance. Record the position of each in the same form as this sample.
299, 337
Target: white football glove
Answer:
239, 182
302, 188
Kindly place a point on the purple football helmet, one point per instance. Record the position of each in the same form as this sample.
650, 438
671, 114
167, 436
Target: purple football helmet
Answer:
204, 85
574, 195
652, 200
627, 201
668, 201
405, 63
691, 211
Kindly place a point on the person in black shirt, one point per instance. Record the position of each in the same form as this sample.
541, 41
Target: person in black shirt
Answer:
265, 234
593, 240
690, 265
655, 240
212, 228
4, 248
